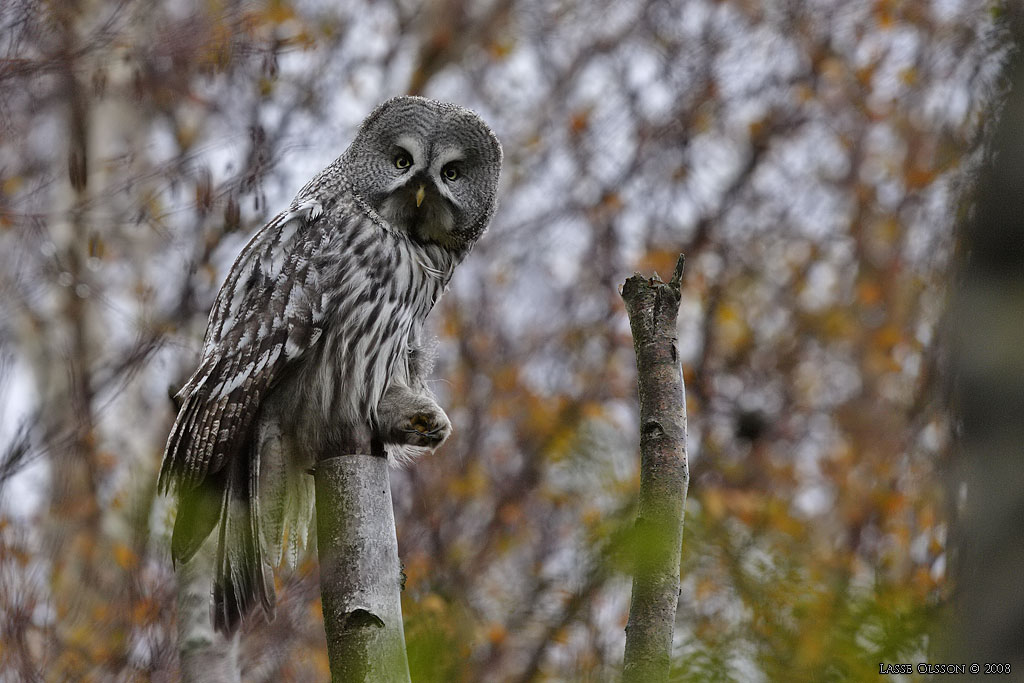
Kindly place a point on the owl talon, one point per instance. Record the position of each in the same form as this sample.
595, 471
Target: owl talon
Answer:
430, 434
426, 429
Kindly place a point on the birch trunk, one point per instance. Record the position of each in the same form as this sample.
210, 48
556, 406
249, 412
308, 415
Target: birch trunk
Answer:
206, 655
360, 576
653, 306
82, 575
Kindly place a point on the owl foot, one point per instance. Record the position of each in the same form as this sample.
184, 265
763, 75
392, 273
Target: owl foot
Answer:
429, 429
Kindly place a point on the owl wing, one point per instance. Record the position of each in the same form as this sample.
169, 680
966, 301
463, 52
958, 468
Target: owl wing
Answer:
268, 313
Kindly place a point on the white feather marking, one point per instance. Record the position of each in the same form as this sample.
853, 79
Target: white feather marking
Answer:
428, 268
268, 357
277, 260
295, 297
308, 209
235, 382
445, 156
413, 146
289, 228
237, 297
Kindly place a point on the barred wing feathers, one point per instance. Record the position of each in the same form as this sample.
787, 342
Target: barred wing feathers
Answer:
268, 314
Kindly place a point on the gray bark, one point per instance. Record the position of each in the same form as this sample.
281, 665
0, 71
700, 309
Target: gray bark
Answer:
206, 656
653, 307
360, 577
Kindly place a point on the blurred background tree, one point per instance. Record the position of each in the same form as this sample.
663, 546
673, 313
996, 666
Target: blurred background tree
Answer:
985, 333
808, 157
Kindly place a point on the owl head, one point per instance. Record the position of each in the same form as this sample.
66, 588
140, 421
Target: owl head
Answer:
428, 168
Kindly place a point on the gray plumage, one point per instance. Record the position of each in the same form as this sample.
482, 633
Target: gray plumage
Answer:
314, 339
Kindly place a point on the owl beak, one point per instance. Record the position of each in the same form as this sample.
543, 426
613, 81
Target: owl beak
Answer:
420, 194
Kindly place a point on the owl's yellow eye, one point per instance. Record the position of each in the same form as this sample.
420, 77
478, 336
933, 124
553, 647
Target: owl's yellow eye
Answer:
450, 172
402, 161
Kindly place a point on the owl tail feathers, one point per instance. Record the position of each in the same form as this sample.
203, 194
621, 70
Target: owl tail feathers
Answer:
286, 499
242, 578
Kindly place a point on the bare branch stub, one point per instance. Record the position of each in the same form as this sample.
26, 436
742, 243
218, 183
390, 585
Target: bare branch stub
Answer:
653, 308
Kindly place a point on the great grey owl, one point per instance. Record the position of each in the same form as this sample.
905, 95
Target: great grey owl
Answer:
313, 341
